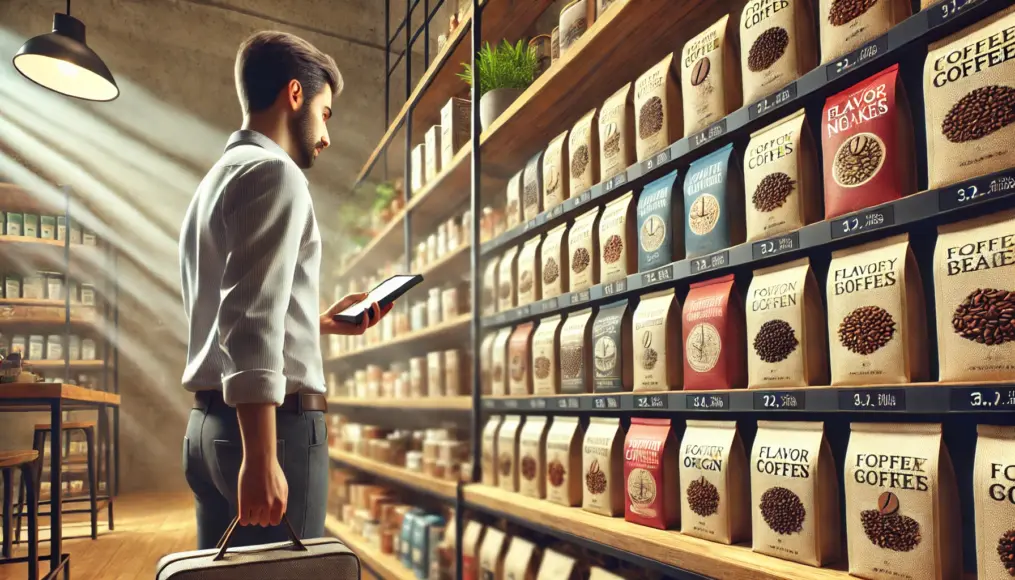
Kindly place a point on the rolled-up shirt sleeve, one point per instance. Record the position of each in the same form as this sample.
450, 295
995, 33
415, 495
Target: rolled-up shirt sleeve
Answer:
265, 213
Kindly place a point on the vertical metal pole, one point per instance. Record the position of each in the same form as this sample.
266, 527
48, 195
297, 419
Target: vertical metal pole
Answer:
408, 56
66, 287
387, 77
426, 35
407, 179
55, 479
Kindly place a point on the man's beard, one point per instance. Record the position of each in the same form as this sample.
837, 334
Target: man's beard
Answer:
303, 135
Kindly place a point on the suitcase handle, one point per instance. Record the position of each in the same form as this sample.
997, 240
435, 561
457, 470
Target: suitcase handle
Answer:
223, 544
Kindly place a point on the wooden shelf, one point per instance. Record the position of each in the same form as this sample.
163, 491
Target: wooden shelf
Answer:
463, 403
442, 489
14, 392
425, 340
58, 364
388, 243
451, 268
384, 565
670, 547
21, 311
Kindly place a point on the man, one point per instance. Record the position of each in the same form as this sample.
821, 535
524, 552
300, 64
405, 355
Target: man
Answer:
250, 254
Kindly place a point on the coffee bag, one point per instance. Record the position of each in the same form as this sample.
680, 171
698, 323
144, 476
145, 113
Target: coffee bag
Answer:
786, 328
974, 289
902, 506
970, 101
472, 541
867, 144
490, 451
545, 364
575, 19
583, 154
532, 187
492, 554
555, 173
994, 501
777, 45
513, 214
507, 272
557, 566
583, 244
713, 203
846, 26
521, 561
417, 175
491, 288
710, 76
435, 374
618, 255
656, 348
507, 450
528, 272
556, 262
432, 140
532, 448
576, 353
597, 573
716, 497
781, 179
877, 328
660, 207
564, 461
657, 111
603, 467
499, 358
486, 362
520, 353
651, 470
616, 133
611, 349
456, 126
713, 336
795, 493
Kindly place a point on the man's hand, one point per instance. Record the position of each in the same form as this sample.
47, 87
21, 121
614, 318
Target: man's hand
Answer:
331, 326
262, 491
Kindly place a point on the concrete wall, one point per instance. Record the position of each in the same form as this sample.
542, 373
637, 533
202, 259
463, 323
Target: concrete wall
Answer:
134, 163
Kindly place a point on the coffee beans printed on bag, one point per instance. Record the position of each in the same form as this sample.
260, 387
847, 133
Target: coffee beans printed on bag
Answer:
603, 467
507, 270
848, 24
489, 455
514, 204
902, 505
795, 493
616, 133
713, 203
715, 502
529, 281
532, 448
713, 334
555, 173
710, 77
490, 295
777, 45
993, 490
786, 327
520, 359
582, 242
659, 209
617, 232
974, 290
564, 461
650, 473
545, 364
556, 262
657, 108
867, 140
611, 348
656, 330
500, 361
969, 93
876, 321
532, 187
575, 358
575, 19
507, 447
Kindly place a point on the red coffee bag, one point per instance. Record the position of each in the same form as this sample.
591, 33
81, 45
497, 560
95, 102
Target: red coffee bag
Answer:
714, 336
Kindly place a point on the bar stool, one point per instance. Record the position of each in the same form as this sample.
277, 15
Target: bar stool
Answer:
39, 445
26, 462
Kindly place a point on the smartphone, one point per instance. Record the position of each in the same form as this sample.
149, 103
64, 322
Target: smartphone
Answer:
383, 294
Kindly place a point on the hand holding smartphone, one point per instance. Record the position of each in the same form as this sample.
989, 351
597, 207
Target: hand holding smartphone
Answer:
383, 294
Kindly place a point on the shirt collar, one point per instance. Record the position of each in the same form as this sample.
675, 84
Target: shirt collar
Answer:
251, 137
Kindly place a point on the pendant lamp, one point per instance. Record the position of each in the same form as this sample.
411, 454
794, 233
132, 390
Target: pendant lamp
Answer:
62, 62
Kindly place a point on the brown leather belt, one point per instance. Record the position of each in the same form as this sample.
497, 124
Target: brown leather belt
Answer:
293, 403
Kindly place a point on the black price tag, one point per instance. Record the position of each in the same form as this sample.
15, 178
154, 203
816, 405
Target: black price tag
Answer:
773, 101
500, 318
611, 288
579, 297
661, 158
863, 221
662, 274
975, 191
872, 400
521, 312
710, 262
983, 399
651, 402
606, 403
942, 12
555, 212
538, 403
713, 131
775, 246
788, 400
585, 197
615, 181
489, 404
567, 403
510, 403
856, 58
708, 402
548, 305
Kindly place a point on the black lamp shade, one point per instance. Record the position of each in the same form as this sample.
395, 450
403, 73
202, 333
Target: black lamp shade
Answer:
62, 62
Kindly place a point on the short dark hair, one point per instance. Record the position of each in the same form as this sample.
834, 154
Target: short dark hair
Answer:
268, 60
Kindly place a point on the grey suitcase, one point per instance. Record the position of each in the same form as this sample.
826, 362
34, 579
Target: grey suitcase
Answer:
323, 558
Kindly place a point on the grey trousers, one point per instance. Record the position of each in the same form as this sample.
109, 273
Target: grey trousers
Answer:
212, 453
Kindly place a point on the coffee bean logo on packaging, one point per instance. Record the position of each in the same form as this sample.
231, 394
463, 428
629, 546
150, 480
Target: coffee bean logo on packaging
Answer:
981, 255
901, 472
704, 457
880, 274
975, 57
859, 108
784, 462
764, 9
782, 295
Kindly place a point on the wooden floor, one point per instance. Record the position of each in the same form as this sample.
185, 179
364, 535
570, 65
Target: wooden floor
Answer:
147, 528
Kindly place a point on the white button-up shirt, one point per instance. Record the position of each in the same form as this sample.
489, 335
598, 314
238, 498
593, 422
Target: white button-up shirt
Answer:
250, 260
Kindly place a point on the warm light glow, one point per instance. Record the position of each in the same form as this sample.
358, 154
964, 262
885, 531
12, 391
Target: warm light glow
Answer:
66, 78
67, 68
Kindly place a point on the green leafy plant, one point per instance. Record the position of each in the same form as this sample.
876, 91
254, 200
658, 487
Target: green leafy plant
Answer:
385, 192
505, 67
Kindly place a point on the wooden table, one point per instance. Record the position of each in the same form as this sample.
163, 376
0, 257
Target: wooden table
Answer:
57, 398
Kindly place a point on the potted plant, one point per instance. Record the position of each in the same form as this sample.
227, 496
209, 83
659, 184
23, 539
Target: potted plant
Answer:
504, 72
